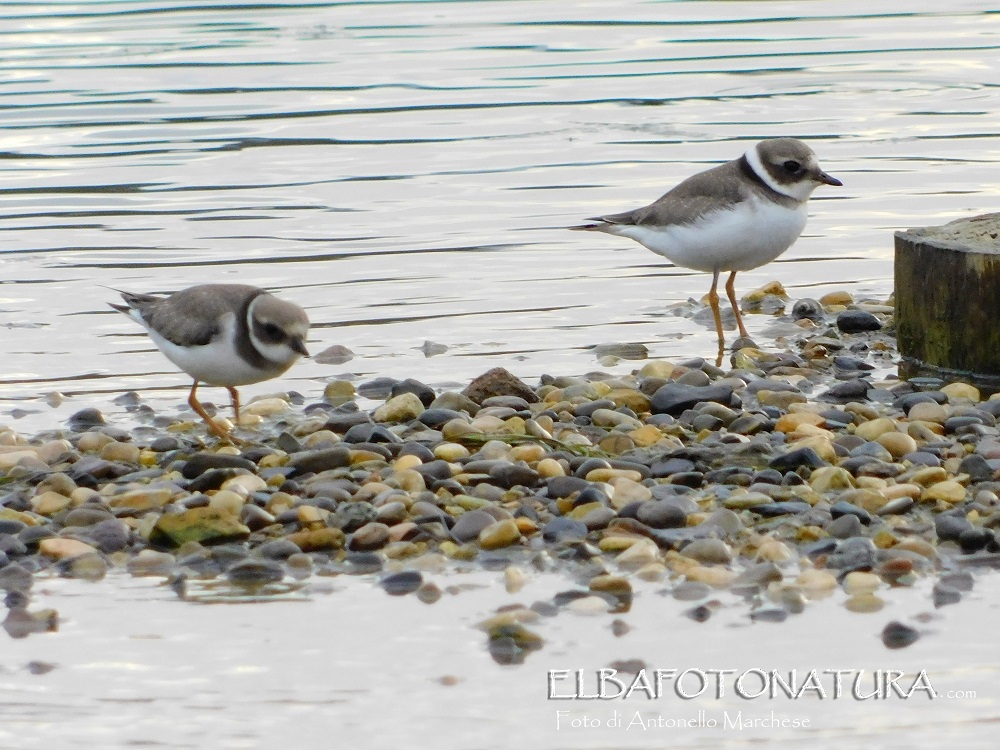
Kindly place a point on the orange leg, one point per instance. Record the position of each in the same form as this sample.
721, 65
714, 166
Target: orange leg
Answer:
731, 292
713, 301
234, 394
212, 424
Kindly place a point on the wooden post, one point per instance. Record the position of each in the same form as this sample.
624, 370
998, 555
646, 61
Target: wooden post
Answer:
948, 296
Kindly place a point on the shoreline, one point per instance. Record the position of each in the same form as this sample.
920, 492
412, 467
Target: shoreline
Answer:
784, 478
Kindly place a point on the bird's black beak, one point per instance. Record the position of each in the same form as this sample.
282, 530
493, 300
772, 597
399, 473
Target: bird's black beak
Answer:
828, 180
298, 345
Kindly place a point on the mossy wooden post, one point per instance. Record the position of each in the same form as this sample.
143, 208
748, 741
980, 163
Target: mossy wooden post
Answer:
948, 296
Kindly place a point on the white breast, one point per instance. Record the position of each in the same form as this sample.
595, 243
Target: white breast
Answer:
215, 363
750, 234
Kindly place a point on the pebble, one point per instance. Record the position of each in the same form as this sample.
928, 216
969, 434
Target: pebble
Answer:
499, 534
857, 321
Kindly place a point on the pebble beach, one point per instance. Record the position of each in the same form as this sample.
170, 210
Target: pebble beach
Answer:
800, 470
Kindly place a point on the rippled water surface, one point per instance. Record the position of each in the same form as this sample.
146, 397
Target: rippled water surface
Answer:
404, 171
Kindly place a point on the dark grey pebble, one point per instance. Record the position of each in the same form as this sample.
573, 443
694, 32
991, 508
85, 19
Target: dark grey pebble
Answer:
425, 454
277, 549
509, 475
768, 476
751, 424
674, 398
255, 572
199, 463
767, 384
91, 468
378, 389
873, 450
943, 595
421, 390
661, 514
837, 417
857, 321
210, 480
856, 553
164, 444
468, 525
807, 308
402, 583
86, 515
844, 527
288, 443
255, 518
562, 529
587, 408
439, 417
352, 516
843, 508
587, 465
110, 535
769, 614
848, 390
795, 458
16, 599
599, 518
664, 467
510, 402
11, 525
782, 508
545, 609
975, 539
898, 635
363, 563
922, 458
436, 469
314, 462
976, 467
949, 528
32, 535
676, 495
701, 613
851, 364
84, 419
565, 486
907, 402
692, 479
14, 546
370, 433
39, 667
341, 421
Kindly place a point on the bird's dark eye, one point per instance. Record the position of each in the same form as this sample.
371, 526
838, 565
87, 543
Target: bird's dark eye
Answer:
272, 332
791, 166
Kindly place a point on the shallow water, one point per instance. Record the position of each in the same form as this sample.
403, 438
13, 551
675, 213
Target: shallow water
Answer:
376, 671
404, 170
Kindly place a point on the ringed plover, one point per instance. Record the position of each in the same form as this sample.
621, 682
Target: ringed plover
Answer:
222, 335
733, 217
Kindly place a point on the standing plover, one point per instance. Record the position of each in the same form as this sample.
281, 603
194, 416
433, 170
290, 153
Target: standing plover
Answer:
222, 335
733, 217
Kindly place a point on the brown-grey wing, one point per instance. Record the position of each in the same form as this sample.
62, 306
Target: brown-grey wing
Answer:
193, 316
697, 196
